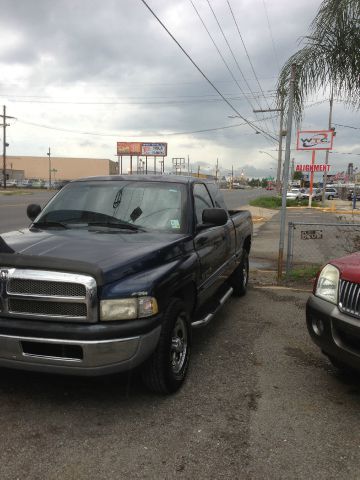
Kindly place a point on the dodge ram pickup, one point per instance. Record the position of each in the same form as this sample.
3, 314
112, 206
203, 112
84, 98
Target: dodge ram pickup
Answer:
114, 273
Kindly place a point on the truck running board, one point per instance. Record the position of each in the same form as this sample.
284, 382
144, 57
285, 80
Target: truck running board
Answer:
207, 319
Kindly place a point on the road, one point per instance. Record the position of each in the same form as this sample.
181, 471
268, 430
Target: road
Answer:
13, 208
260, 402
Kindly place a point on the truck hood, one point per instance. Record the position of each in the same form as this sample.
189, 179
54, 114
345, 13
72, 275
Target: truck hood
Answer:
115, 254
349, 267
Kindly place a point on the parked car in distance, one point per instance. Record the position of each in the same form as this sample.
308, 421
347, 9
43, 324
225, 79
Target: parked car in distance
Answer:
333, 312
26, 183
331, 193
9, 183
294, 194
60, 184
316, 194
350, 195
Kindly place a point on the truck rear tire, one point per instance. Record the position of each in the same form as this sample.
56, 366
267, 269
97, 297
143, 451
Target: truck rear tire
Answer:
166, 369
239, 279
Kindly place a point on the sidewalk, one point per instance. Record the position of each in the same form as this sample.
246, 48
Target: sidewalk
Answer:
265, 244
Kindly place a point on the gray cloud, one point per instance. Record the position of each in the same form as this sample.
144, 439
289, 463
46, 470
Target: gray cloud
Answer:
131, 79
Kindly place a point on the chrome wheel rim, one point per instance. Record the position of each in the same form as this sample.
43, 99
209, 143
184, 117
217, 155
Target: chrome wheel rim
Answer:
179, 344
245, 273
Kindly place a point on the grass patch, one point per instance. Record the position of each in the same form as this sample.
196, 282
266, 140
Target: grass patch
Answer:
304, 273
275, 202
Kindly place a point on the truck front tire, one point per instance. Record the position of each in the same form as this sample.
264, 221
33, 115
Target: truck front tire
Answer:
166, 369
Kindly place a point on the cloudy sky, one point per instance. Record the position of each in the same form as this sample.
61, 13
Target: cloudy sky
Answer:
80, 75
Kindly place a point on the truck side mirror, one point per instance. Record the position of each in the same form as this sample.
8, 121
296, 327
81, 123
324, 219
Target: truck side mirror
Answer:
214, 216
33, 211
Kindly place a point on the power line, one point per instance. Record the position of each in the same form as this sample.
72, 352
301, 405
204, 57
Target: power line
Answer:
267, 135
232, 53
271, 35
72, 102
221, 55
53, 97
80, 132
248, 56
346, 126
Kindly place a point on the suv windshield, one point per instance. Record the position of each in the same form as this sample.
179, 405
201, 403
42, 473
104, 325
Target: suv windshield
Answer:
126, 204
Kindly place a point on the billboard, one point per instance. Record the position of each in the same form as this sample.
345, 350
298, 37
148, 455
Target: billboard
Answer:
129, 148
315, 140
140, 148
154, 149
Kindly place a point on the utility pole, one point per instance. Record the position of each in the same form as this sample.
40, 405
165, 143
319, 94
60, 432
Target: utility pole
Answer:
286, 171
49, 155
217, 170
327, 151
281, 110
4, 125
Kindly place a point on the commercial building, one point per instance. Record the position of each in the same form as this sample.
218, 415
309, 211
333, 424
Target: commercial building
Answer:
62, 168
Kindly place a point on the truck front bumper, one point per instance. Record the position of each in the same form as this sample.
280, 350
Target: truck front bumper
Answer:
77, 357
336, 333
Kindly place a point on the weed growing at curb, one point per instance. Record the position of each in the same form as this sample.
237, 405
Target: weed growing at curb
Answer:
275, 202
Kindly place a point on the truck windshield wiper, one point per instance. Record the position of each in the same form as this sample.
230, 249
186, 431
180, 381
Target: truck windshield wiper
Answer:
121, 225
49, 225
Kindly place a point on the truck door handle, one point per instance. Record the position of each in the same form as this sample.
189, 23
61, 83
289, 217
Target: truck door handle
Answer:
201, 241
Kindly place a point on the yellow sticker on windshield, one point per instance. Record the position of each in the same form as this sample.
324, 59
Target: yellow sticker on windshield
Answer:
174, 223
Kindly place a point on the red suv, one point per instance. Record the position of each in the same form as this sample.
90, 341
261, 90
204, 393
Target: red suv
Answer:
333, 312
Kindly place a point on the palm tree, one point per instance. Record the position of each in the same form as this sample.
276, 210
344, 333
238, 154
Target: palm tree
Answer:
330, 57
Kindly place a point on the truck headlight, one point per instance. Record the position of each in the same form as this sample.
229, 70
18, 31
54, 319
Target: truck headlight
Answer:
327, 285
128, 308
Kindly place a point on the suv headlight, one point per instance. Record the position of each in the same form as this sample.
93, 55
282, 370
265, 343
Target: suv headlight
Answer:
128, 308
327, 285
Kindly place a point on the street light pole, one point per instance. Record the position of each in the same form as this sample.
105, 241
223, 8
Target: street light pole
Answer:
4, 125
286, 171
49, 155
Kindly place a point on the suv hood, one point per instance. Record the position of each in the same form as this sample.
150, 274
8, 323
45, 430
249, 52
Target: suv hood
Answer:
349, 267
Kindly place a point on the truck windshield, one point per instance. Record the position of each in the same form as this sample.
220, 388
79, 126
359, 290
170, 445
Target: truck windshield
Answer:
147, 205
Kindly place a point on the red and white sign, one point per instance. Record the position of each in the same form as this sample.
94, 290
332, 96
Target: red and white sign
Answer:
315, 140
313, 168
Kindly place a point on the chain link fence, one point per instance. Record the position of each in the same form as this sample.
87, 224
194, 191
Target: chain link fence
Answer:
313, 244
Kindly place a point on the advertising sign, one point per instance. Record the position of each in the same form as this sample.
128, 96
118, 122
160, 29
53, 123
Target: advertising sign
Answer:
315, 140
154, 149
129, 148
313, 168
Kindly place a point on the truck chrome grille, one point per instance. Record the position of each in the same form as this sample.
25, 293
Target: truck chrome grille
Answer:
36, 287
47, 308
349, 298
47, 295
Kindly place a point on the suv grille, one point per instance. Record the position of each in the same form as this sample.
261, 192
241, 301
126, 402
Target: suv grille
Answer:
349, 298
47, 295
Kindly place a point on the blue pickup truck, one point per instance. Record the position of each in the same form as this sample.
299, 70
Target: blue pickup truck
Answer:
115, 272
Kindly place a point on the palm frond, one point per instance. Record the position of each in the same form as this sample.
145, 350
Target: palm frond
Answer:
330, 56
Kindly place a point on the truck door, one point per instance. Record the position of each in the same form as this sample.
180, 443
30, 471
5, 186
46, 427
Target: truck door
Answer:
213, 246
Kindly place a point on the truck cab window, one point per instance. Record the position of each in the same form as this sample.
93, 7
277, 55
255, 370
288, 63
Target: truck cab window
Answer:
202, 200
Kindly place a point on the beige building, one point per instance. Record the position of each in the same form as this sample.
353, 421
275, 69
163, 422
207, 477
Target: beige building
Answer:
62, 168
